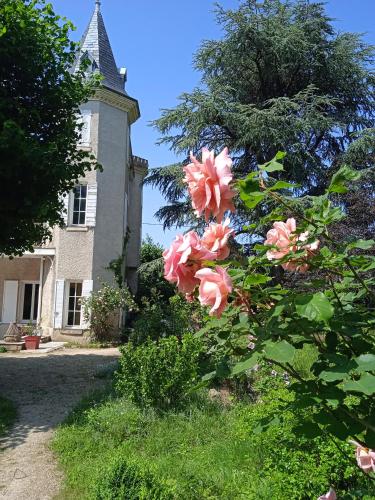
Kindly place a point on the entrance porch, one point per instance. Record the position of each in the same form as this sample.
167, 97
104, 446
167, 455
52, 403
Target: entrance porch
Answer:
25, 297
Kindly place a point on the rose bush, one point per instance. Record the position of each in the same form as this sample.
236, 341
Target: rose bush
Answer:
298, 286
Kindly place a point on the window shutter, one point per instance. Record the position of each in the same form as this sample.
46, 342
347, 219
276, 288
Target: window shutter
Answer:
10, 301
59, 304
92, 193
87, 286
84, 119
65, 213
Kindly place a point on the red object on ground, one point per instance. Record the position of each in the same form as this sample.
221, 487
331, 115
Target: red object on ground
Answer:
32, 342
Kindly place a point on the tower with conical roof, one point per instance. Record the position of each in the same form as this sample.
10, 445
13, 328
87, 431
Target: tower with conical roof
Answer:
104, 211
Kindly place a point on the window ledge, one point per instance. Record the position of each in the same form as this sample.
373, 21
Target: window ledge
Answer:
71, 330
77, 229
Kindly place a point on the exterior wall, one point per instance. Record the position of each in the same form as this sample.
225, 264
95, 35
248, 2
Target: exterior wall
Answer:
113, 154
135, 226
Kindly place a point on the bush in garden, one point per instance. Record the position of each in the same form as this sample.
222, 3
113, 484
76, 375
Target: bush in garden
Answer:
159, 319
159, 374
330, 306
100, 309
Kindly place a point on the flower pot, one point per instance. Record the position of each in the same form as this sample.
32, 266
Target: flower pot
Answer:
32, 342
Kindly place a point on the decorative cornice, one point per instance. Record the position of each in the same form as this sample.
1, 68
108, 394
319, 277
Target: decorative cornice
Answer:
119, 101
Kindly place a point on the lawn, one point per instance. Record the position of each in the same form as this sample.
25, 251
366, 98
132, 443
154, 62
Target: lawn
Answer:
111, 449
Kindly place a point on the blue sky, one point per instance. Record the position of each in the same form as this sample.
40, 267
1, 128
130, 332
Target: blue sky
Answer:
155, 41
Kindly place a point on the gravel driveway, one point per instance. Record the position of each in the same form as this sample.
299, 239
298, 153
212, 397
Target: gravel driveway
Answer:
44, 388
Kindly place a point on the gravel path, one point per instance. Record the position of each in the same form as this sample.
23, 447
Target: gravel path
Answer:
44, 388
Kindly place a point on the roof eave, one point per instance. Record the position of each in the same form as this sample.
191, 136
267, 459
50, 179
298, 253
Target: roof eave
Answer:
118, 100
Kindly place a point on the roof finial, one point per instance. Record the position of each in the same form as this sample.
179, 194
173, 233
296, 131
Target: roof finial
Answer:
97, 4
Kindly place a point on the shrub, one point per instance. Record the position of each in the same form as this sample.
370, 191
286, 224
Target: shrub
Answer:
160, 319
160, 373
100, 307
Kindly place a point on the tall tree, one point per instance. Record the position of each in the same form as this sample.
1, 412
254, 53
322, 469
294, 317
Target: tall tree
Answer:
151, 281
281, 78
39, 99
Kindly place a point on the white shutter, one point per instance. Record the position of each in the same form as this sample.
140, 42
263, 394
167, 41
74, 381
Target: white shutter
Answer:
65, 213
87, 286
59, 304
10, 301
84, 119
92, 193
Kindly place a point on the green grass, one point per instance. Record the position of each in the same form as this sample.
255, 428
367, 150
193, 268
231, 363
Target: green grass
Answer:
7, 415
205, 452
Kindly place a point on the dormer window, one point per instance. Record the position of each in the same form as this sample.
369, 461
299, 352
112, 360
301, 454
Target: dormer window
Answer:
79, 198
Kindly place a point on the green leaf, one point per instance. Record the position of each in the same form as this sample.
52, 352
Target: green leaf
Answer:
280, 155
344, 175
366, 385
362, 244
246, 364
334, 374
272, 166
253, 200
209, 376
314, 307
282, 352
365, 362
256, 279
282, 185
309, 430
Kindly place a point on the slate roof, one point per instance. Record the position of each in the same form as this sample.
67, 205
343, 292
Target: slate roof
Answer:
95, 44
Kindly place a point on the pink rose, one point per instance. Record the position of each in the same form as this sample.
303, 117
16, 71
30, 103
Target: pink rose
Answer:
183, 259
283, 237
216, 239
208, 184
214, 289
331, 495
365, 459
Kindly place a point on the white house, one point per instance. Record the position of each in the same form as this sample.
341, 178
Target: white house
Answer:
104, 212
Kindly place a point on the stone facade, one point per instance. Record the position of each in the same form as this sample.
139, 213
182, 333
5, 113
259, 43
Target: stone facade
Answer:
101, 216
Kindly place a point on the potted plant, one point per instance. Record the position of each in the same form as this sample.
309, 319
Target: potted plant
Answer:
32, 340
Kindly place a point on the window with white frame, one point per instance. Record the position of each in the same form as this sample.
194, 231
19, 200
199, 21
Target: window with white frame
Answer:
29, 302
79, 199
74, 312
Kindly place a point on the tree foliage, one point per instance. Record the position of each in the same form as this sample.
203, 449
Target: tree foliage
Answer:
281, 78
151, 282
39, 103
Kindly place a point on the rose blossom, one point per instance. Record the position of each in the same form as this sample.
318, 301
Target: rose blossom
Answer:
216, 239
183, 259
365, 459
208, 184
214, 289
283, 237
331, 495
